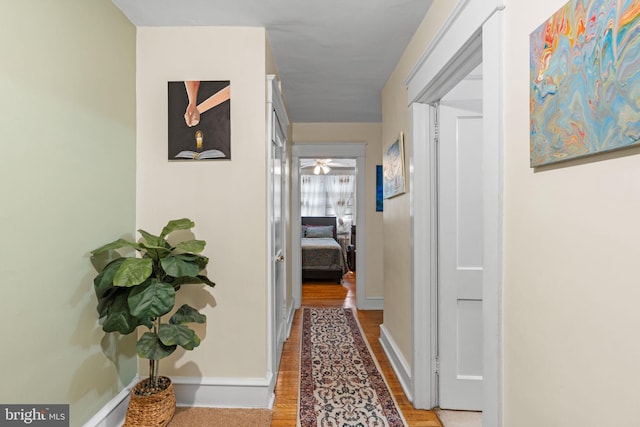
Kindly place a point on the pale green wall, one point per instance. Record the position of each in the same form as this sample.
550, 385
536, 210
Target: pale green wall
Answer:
67, 185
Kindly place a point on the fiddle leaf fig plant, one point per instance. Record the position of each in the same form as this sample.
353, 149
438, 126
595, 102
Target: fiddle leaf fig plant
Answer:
138, 290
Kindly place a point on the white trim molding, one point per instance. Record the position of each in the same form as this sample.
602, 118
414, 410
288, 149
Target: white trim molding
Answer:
276, 117
114, 412
424, 259
224, 392
371, 303
291, 312
472, 35
442, 53
398, 362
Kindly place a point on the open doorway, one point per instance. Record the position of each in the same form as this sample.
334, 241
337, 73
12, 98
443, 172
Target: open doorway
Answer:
328, 198
473, 36
327, 203
328, 210
460, 251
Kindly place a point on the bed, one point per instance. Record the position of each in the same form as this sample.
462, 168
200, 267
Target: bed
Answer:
322, 256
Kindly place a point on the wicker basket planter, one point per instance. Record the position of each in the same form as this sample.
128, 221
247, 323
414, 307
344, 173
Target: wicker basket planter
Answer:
155, 410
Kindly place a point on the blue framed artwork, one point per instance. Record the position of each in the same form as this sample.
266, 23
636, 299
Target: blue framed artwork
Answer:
379, 195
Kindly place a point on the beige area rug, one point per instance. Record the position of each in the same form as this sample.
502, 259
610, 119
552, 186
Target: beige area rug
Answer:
459, 418
340, 381
221, 417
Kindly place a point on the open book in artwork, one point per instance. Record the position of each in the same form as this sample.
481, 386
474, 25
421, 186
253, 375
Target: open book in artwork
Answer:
200, 155
195, 155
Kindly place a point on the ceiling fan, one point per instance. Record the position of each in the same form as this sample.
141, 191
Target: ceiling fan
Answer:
323, 166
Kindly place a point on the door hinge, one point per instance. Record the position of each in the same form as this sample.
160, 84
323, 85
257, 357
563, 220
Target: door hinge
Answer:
436, 123
435, 365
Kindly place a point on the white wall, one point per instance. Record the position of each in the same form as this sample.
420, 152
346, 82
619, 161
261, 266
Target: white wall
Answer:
572, 357
570, 236
67, 186
226, 199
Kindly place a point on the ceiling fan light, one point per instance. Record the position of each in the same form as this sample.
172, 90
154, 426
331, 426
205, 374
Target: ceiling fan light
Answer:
325, 169
316, 170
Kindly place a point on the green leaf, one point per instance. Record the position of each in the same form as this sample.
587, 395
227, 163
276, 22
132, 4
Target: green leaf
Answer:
177, 266
151, 239
192, 280
146, 321
192, 246
104, 281
206, 280
118, 318
101, 260
117, 244
187, 314
106, 300
155, 252
181, 335
177, 224
152, 299
201, 260
150, 347
133, 271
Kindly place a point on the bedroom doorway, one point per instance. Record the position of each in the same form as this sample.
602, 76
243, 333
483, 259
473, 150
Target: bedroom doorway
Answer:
327, 189
328, 218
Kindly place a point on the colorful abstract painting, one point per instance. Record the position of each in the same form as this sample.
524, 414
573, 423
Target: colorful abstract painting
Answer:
585, 80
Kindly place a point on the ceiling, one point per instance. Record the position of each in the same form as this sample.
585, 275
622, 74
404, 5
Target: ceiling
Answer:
333, 56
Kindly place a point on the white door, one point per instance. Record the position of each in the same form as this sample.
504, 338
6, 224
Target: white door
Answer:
277, 230
460, 254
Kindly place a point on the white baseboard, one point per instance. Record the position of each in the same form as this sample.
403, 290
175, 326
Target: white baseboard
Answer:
223, 392
372, 303
397, 360
114, 412
193, 391
290, 314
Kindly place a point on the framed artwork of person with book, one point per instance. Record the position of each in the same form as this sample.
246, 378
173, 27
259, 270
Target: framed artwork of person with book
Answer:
199, 120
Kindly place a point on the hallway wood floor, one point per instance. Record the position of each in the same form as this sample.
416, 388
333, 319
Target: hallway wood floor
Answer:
333, 295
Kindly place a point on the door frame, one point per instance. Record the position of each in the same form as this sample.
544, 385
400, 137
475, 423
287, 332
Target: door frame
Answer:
329, 150
470, 36
275, 107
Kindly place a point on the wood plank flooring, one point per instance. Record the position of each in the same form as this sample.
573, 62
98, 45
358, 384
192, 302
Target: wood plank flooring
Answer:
333, 295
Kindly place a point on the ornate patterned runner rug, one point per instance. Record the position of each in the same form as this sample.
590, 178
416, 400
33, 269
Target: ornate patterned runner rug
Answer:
340, 381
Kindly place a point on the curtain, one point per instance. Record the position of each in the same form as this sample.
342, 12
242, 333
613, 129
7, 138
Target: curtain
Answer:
313, 192
340, 192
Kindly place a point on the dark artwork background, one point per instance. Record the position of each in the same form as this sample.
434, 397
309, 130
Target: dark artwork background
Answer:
215, 124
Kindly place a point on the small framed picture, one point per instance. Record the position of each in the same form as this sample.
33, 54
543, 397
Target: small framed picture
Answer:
393, 169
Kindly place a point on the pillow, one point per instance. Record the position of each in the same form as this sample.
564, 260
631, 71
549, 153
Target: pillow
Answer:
320, 231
